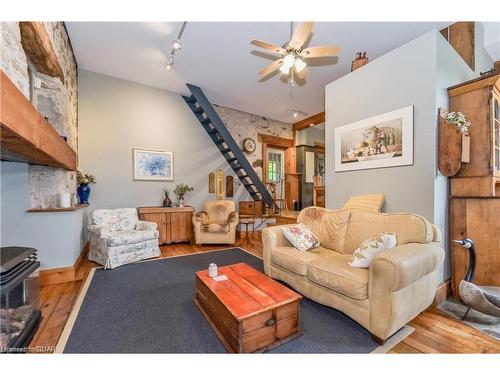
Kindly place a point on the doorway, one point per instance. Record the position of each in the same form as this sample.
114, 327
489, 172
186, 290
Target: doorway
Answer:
276, 169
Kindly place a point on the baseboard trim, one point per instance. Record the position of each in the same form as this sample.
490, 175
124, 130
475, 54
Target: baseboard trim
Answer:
64, 274
443, 291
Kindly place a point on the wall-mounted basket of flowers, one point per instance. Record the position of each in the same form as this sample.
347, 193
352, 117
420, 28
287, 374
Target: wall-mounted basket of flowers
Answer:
454, 142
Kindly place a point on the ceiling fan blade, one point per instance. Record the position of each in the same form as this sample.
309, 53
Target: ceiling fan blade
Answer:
325, 51
268, 46
271, 68
301, 34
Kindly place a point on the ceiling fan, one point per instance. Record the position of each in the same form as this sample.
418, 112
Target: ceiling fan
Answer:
293, 54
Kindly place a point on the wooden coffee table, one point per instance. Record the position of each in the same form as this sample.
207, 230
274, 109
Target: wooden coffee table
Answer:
249, 312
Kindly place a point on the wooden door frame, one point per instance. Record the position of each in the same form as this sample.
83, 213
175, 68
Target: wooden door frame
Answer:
271, 141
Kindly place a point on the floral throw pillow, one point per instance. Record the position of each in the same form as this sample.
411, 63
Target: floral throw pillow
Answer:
301, 237
364, 254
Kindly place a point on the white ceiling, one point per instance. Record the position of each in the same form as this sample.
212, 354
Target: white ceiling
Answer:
218, 57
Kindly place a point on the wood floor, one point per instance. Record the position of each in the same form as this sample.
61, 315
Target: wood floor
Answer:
434, 332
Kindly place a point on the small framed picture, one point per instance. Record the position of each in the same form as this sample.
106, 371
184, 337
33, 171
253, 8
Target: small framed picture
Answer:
153, 165
381, 141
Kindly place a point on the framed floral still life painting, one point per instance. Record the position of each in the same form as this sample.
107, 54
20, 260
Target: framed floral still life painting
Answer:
381, 141
153, 165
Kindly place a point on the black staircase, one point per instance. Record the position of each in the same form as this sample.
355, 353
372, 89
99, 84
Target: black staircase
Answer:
216, 129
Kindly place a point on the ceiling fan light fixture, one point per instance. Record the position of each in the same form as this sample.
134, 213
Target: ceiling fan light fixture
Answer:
299, 65
288, 62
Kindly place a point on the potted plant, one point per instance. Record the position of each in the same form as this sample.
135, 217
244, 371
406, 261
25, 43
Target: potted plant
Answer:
167, 202
180, 190
84, 180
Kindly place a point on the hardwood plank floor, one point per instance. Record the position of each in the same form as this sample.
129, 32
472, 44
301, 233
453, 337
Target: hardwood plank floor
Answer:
434, 332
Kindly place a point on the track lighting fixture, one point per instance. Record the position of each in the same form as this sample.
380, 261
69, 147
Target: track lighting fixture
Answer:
176, 45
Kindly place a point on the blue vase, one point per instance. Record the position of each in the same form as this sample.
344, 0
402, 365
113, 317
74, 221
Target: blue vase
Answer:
83, 193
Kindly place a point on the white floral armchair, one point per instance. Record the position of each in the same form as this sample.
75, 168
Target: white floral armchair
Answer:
118, 237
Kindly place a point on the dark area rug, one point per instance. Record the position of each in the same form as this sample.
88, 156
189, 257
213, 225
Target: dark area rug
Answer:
148, 308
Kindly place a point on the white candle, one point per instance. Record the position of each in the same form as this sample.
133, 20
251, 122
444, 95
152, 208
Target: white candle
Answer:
65, 200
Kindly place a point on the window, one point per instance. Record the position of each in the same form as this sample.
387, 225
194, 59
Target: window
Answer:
274, 166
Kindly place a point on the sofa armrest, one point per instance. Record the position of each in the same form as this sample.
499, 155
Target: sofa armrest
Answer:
399, 267
233, 218
200, 217
145, 225
272, 237
100, 231
402, 284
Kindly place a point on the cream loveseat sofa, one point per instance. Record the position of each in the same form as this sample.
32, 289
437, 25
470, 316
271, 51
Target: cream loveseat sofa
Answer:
400, 283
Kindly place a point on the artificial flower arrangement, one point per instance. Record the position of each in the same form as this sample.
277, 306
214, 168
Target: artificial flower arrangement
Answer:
459, 120
182, 189
84, 178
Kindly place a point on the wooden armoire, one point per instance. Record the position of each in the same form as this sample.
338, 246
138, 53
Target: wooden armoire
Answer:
475, 188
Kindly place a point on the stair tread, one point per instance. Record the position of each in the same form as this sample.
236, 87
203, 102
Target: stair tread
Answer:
222, 138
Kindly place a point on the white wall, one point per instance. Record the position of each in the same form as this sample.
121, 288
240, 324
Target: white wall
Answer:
417, 74
58, 236
402, 77
117, 115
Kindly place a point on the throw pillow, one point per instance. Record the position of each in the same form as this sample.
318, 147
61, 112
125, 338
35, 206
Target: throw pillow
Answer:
301, 237
364, 254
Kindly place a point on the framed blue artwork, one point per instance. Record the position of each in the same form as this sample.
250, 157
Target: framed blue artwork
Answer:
153, 165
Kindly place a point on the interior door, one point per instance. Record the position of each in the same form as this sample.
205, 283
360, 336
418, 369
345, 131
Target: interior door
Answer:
161, 220
276, 169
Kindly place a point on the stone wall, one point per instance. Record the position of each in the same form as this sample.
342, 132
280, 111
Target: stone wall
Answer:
12, 57
55, 100
243, 125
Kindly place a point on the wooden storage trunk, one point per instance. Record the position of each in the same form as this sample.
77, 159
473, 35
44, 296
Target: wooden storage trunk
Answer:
248, 317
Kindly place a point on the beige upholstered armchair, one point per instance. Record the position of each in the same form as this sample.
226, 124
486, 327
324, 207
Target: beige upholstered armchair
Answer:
216, 223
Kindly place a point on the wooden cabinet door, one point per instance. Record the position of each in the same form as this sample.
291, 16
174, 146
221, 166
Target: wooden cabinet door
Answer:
180, 226
161, 220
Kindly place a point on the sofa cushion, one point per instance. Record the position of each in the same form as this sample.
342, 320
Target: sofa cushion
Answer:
126, 237
333, 272
295, 260
116, 219
218, 211
330, 226
367, 202
215, 228
408, 228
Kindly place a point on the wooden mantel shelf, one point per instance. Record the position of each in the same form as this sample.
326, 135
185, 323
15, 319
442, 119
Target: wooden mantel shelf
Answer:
58, 209
25, 135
